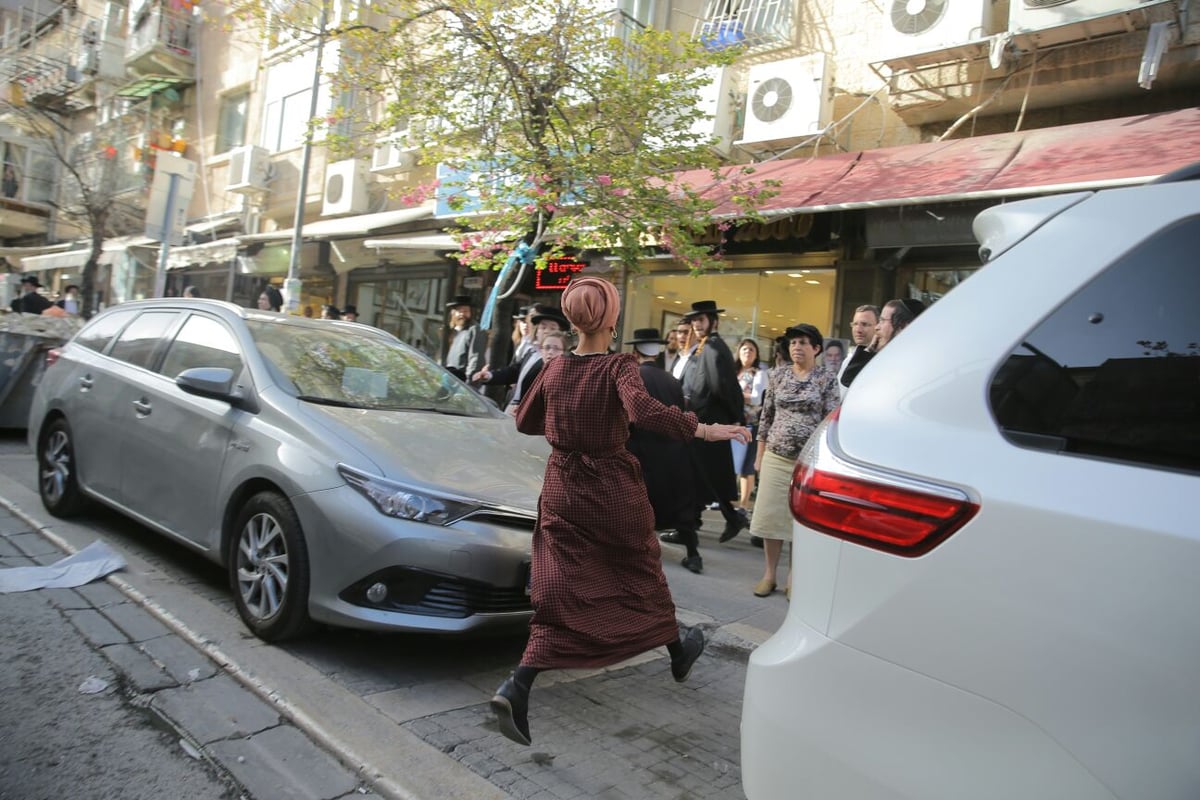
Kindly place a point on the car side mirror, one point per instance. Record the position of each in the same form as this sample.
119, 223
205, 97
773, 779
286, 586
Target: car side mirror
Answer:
214, 382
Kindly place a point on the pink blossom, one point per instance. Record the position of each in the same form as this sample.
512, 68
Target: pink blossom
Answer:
604, 180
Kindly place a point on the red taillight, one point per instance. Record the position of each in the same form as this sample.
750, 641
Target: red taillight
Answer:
52, 356
893, 518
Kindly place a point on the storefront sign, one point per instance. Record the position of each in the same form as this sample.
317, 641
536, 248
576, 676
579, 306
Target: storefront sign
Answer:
557, 274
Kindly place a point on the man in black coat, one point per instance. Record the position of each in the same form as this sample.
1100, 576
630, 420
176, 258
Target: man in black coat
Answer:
520, 374
712, 393
666, 463
30, 301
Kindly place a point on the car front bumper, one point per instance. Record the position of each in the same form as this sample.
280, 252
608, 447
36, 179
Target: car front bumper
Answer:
470, 576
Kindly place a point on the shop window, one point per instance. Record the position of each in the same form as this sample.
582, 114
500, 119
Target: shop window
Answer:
759, 305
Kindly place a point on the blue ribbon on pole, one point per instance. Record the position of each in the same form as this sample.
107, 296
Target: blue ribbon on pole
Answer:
521, 254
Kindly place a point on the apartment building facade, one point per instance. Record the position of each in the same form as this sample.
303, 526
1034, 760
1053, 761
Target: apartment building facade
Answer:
888, 123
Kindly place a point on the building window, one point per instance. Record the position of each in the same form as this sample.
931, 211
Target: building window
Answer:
231, 124
640, 11
289, 99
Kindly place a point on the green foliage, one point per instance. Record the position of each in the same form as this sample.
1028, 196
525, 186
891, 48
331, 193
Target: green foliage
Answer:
573, 124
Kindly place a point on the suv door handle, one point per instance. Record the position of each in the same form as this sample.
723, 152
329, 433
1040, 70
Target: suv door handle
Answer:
142, 407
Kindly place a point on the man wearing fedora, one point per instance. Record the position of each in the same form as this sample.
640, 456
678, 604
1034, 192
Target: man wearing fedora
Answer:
467, 342
543, 320
712, 393
30, 301
666, 463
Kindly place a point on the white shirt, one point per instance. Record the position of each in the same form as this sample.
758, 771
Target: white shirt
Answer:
681, 362
845, 363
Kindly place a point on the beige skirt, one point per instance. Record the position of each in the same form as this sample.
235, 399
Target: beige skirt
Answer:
772, 514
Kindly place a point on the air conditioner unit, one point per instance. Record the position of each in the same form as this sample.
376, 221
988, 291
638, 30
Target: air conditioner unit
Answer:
1035, 15
788, 99
923, 26
393, 154
249, 167
345, 188
714, 99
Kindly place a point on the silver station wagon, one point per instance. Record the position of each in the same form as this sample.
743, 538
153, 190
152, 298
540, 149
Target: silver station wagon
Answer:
339, 475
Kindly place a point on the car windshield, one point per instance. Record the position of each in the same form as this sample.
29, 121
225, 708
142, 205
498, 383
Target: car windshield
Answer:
335, 366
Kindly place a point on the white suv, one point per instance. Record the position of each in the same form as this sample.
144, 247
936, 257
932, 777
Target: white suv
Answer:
996, 586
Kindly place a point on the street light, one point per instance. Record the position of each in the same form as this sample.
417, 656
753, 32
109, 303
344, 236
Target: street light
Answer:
291, 286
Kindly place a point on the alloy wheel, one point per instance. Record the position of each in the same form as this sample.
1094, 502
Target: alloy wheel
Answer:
262, 566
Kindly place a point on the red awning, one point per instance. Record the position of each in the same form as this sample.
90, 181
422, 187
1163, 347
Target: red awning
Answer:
1089, 155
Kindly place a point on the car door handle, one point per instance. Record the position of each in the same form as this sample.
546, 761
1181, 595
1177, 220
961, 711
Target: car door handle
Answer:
142, 407
86, 382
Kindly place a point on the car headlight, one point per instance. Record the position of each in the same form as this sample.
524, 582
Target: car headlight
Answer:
405, 502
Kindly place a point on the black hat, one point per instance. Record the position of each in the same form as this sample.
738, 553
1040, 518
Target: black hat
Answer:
703, 307
914, 306
646, 336
809, 332
32, 279
349, 310
551, 313
523, 312
459, 300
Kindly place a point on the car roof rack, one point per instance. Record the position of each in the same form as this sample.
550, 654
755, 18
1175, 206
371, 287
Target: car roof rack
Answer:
1189, 173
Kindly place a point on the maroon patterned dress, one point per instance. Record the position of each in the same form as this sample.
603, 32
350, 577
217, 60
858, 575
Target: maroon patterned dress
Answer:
598, 590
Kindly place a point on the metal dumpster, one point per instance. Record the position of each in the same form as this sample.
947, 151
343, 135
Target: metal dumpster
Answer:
24, 342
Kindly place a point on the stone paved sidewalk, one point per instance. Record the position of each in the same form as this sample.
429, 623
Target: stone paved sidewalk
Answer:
55, 740
626, 734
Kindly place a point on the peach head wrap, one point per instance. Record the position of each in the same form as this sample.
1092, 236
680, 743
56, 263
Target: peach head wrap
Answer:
591, 304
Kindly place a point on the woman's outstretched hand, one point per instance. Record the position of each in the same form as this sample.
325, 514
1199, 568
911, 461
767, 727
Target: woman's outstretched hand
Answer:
722, 433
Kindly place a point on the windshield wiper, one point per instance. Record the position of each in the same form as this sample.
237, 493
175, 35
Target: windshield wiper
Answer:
330, 401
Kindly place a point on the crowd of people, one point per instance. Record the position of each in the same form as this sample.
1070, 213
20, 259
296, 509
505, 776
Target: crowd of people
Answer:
641, 444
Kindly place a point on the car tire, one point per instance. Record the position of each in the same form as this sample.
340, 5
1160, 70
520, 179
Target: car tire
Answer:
58, 481
269, 569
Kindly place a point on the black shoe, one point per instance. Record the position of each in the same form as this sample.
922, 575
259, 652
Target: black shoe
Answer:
694, 563
511, 706
693, 646
735, 527
671, 537
756, 541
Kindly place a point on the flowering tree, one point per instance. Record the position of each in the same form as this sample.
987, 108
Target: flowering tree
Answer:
556, 124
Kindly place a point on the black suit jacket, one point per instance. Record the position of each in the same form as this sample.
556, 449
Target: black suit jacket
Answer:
710, 383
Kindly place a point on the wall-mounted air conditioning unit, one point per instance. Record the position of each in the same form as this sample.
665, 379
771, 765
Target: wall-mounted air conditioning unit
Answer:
345, 188
788, 99
923, 26
714, 99
249, 167
1036, 15
393, 153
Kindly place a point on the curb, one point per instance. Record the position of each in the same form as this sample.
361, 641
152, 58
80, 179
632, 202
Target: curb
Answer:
362, 770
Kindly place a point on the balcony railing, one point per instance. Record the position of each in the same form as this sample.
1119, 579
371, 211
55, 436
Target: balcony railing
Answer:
748, 23
162, 31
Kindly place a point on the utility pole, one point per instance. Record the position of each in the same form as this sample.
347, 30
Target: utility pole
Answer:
291, 286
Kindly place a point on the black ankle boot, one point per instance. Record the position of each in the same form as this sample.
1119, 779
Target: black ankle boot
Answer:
692, 645
511, 706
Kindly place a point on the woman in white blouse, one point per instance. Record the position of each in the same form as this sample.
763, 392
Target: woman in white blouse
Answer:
752, 377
